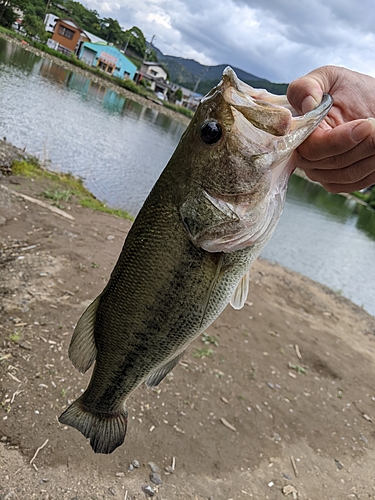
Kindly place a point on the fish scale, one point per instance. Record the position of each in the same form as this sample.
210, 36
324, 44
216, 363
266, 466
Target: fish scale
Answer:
188, 253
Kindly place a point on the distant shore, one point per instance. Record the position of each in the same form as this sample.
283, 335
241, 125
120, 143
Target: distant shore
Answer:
119, 90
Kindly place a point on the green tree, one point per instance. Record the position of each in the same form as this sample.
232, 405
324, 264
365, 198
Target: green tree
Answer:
178, 95
34, 26
7, 14
111, 30
371, 197
135, 40
87, 19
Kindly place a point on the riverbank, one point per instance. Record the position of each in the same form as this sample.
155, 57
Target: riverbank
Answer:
97, 79
278, 402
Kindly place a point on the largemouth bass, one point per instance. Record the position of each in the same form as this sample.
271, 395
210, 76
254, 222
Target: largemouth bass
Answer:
189, 251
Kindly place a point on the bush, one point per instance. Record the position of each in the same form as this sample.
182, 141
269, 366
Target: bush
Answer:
179, 109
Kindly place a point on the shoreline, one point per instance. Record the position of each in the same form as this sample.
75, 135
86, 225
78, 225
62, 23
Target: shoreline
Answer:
96, 79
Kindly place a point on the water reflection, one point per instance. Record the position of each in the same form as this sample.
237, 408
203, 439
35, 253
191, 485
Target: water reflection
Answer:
337, 206
366, 221
17, 57
340, 208
53, 72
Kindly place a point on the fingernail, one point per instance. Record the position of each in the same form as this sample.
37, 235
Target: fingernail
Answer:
308, 104
363, 129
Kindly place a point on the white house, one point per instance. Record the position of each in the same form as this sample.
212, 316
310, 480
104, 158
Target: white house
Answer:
154, 70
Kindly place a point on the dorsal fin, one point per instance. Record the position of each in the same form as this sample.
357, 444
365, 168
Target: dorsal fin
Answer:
82, 349
240, 295
156, 377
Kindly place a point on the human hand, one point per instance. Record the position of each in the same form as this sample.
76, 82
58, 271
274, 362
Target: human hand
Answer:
340, 153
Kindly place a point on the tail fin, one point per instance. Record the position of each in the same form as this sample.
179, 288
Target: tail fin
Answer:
106, 431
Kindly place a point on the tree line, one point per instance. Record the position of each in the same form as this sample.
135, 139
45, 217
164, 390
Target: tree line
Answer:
34, 12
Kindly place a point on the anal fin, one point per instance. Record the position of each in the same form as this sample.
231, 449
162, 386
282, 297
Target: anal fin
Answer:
82, 349
157, 376
240, 295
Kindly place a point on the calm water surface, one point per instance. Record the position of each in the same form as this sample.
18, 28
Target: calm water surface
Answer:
120, 147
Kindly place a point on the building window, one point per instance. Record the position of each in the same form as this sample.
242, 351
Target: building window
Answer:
66, 32
153, 72
106, 67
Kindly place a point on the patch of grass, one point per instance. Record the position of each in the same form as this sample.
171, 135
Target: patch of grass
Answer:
6, 406
16, 336
202, 353
27, 168
65, 183
179, 109
57, 195
210, 339
299, 369
253, 373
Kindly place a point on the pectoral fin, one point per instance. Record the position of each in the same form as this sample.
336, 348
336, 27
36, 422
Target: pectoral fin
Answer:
240, 295
82, 349
156, 377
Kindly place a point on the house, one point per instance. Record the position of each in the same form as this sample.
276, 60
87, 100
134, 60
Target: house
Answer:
67, 35
153, 70
108, 59
156, 76
190, 99
50, 23
61, 7
17, 25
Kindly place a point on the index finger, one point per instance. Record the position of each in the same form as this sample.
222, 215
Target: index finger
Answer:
327, 143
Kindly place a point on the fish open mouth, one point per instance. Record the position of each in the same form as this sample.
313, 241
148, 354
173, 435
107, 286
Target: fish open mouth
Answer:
270, 130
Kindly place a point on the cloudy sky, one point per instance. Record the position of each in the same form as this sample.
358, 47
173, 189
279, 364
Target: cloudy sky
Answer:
274, 39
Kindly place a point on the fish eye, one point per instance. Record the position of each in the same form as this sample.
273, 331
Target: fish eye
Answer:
211, 132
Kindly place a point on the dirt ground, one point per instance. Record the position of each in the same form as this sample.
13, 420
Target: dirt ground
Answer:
283, 406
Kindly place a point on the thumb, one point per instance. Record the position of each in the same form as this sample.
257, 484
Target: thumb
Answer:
305, 93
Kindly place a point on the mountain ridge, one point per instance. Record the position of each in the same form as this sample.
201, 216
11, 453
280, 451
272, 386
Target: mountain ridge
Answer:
201, 78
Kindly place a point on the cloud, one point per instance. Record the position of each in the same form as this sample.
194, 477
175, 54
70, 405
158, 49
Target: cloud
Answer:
275, 40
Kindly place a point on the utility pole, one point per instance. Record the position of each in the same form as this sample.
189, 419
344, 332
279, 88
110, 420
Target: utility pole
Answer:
127, 43
203, 72
45, 14
147, 49
145, 58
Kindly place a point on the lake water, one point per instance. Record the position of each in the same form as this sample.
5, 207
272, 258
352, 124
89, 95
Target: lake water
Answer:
119, 148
